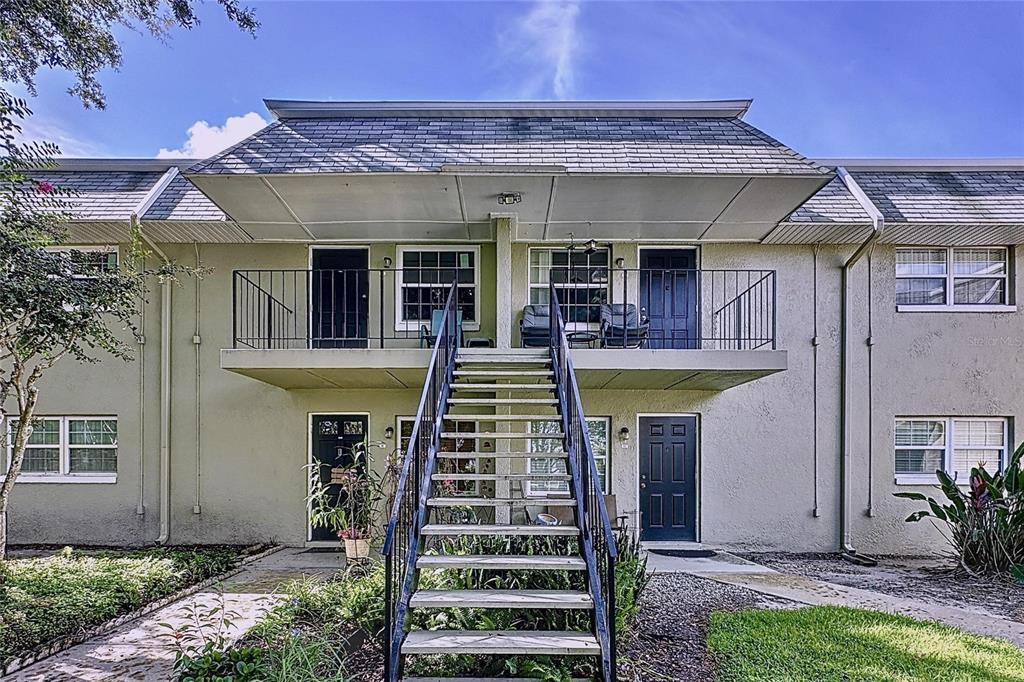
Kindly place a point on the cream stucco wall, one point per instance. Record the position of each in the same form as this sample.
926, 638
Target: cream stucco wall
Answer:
768, 451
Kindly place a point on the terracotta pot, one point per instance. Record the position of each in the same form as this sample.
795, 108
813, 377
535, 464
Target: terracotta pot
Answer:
357, 549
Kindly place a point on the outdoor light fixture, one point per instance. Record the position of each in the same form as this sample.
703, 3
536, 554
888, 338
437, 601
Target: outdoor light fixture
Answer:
620, 262
387, 264
624, 436
389, 432
591, 247
509, 198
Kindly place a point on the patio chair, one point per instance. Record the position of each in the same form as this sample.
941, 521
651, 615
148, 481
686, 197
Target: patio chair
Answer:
622, 327
429, 336
535, 327
566, 515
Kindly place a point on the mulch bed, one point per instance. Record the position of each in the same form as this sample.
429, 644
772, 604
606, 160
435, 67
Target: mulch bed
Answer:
922, 578
669, 643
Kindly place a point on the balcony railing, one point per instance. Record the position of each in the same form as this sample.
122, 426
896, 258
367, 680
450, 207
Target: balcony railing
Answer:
602, 307
661, 308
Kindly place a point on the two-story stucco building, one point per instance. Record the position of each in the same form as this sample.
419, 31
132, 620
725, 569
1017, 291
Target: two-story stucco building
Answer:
797, 339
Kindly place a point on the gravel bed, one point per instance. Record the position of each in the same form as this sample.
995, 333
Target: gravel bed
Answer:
669, 639
922, 578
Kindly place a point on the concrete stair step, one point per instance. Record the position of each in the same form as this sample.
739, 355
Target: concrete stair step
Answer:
501, 455
502, 387
498, 642
456, 529
502, 401
492, 562
507, 417
467, 501
481, 679
501, 477
501, 599
503, 373
508, 435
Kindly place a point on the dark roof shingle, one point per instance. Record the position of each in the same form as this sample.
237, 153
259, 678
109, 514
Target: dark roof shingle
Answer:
579, 144
181, 200
101, 195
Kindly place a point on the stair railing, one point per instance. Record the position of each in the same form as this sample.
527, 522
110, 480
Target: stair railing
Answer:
597, 540
403, 540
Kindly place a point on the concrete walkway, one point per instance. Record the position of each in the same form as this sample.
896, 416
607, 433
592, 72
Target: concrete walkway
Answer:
140, 650
732, 570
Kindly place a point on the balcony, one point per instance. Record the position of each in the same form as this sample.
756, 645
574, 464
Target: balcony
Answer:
640, 328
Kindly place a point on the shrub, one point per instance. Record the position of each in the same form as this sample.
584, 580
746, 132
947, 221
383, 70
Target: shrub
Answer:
986, 522
45, 598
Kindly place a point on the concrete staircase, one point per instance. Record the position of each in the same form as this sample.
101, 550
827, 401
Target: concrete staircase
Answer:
510, 389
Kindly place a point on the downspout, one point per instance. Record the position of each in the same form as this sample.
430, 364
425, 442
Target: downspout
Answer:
849, 552
165, 356
196, 340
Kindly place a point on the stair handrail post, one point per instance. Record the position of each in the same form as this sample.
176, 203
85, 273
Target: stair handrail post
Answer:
418, 465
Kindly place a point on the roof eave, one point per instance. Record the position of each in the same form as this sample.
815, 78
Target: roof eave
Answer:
736, 108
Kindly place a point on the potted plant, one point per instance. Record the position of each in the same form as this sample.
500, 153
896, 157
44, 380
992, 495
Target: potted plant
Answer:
349, 503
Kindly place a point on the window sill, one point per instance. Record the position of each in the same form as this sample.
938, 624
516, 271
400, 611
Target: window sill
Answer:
67, 478
956, 308
917, 479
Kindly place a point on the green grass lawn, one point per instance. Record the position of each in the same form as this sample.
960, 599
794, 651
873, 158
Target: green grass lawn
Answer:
45, 598
835, 643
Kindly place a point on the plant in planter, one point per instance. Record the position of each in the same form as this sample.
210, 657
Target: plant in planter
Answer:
350, 503
985, 519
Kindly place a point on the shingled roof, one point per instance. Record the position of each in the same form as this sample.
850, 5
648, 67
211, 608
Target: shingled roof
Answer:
919, 194
604, 142
112, 189
181, 201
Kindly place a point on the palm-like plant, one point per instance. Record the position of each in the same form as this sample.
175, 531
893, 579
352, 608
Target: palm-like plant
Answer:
985, 520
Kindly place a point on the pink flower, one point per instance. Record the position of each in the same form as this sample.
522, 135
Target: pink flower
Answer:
45, 186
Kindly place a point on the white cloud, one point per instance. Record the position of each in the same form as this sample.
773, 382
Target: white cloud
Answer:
547, 43
205, 140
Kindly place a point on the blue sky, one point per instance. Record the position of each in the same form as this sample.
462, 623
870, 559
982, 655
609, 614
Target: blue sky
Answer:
827, 78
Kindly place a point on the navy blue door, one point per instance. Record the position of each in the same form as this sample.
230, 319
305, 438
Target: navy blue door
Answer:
335, 440
668, 478
340, 298
669, 294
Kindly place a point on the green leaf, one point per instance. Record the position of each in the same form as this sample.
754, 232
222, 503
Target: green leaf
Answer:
911, 496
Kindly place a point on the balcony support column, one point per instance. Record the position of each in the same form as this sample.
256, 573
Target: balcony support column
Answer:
504, 227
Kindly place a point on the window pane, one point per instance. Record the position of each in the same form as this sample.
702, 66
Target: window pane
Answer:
92, 431
920, 292
547, 466
920, 262
984, 291
979, 262
44, 432
41, 460
920, 432
919, 461
93, 460
970, 433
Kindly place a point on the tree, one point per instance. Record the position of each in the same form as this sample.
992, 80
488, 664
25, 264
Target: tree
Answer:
78, 36
52, 304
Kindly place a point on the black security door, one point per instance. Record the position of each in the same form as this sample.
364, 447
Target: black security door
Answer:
335, 439
668, 292
668, 478
340, 298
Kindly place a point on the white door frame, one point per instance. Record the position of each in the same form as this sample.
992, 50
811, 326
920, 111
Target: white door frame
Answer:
699, 530
309, 541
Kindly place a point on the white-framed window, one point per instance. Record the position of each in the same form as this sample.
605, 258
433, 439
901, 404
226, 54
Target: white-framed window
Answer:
67, 449
598, 428
447, 465
91, 260
955, 445
958, 278
425, 274
580, 279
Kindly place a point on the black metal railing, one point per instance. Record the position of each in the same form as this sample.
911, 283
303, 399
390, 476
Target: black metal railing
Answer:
355, 308
662, 308
402, 539
597, 540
